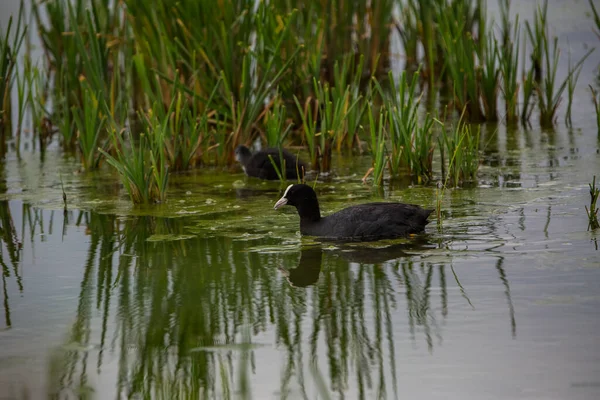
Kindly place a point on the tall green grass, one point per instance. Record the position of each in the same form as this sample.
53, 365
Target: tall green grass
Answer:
411, 136
459, 144
596, 102
378, 146
508, 59
141, 163
11, 40
549, 90
461, 51
217, 74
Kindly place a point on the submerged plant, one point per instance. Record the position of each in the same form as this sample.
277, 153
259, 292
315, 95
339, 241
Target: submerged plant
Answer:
592, 212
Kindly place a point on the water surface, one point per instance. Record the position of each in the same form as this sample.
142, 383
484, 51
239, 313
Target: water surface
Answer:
215, 294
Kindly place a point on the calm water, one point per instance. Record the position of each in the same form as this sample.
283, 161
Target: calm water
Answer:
220, 297
215, 295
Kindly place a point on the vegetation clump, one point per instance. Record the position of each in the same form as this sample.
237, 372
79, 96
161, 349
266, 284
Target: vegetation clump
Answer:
213, 75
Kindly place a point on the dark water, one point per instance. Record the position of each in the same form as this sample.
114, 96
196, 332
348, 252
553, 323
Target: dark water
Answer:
215, 295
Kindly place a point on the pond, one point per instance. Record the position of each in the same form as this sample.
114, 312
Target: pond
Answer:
215, 294
218, 295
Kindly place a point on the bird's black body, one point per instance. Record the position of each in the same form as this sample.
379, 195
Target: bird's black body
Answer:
364, 222
259, 164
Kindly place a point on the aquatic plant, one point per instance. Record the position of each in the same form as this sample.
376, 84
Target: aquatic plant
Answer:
378, 146
596, 101
408, 30
411, 139
326, 113
461, 52
540, 78
10, 44
82, 41
592, 212
275, 132
508, 59
90, 121
596, 17
571, 84
460, 143
549, 95
142, 164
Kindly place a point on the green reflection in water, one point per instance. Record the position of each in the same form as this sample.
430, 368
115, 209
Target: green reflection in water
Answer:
183, 316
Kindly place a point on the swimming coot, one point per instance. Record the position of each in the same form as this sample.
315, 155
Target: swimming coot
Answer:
259, 164
364, 222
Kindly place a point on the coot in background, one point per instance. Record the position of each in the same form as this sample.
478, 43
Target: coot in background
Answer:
259, 164
363, 222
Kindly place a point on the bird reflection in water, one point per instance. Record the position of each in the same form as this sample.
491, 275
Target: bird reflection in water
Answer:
307, 271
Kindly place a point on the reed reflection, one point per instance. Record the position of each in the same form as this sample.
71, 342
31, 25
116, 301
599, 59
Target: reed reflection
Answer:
192, 317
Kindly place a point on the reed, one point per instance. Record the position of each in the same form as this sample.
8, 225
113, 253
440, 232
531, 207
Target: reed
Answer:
309, 115
408, 30
142, 163
275, 133
572, 79
90, 121
596, 102
508, 59
411, 140
327, 113
378, 146
427, 13
460, 57
489, 74
461, 144
277, 125
249, 104
528, 84
11, 40
596, 17
81, 41
348, 80
592, 212
549, 90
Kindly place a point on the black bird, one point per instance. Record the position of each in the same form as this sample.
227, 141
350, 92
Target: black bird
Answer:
363, 222
259, 164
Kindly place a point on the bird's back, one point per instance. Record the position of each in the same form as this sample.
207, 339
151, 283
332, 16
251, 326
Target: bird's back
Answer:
371, 221
260, 164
